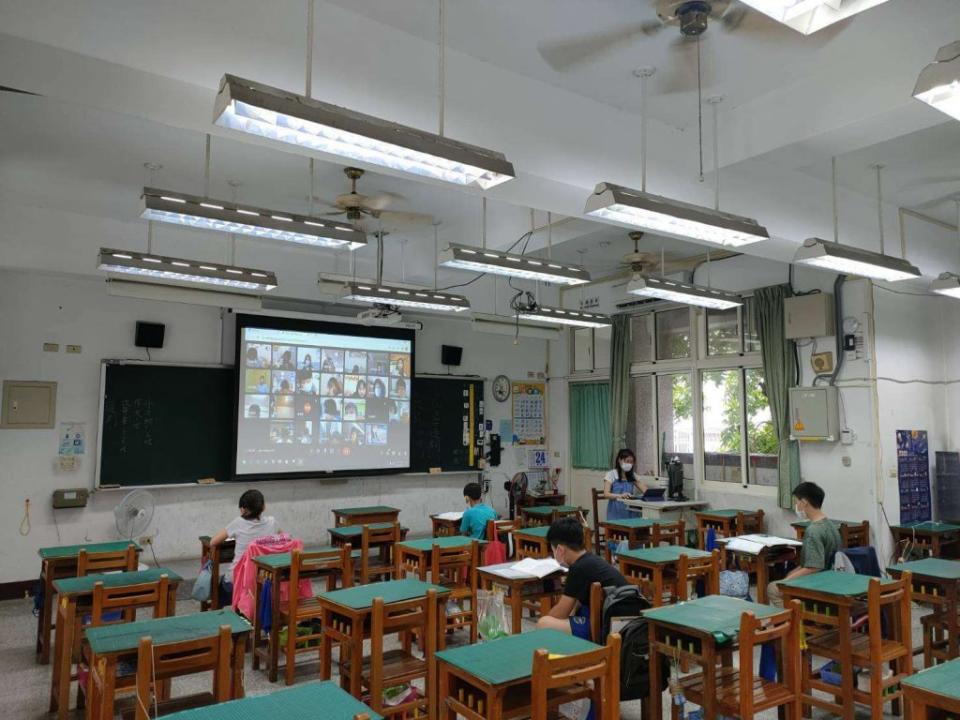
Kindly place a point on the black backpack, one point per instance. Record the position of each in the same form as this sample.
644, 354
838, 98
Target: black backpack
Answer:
627, 602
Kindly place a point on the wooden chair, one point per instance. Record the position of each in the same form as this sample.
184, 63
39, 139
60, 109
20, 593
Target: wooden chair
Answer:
599, 535
101, 562
157, 665
594, 675
385, 669
456, 568
304, 566
669, 533
855, 535
689, 570
876, 647
377, 553
219, 556
749, 523
498, 528
739, 693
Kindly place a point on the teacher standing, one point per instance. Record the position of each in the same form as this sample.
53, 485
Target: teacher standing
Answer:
620, 483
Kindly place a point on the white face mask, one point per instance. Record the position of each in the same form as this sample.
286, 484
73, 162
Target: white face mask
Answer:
626, 467
800, 513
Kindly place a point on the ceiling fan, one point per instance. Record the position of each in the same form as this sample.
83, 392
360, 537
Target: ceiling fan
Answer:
359, 209
640, 261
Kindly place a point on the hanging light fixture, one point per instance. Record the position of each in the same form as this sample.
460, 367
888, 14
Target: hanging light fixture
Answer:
939, 82
223, 216
463, 257
809, 16
559, 316
152, 268
681, 292
424, 299
948, 283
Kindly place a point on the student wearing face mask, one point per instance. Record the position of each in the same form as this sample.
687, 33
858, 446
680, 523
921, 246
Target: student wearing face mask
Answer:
621, 482
821, 539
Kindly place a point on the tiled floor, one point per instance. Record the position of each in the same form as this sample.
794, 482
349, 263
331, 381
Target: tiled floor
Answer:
25, 686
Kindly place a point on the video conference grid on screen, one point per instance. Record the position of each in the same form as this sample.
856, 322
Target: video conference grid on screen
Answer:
322, 402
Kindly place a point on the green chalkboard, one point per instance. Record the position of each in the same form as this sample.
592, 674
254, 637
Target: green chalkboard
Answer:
442, 437
166, 424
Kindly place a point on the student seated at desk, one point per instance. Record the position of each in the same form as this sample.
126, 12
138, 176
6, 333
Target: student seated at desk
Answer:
473, 524
821, 539
250, 525
571, 614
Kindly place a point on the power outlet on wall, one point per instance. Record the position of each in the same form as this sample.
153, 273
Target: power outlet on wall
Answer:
146, 540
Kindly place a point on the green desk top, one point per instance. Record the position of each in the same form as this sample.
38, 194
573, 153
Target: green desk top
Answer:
638, 522
548, 509
81, 585
370, 510
125, 637
361, 597
837, 523
510, 659
943, 679
281, 561
833, 582
718, 615
727, 513
929, 527
449, 541
931, 567
71, 551
663, 554
302, 702
540, 532
357, 530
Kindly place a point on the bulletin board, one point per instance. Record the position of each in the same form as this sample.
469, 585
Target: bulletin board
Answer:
913, 475
529, 413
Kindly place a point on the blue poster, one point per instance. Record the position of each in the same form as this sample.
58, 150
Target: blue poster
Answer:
913, 474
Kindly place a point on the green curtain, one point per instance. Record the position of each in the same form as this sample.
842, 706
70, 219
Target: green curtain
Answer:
620, 344
590, 424
780, 372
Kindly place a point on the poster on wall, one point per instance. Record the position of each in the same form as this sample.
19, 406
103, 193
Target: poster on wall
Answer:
529, 413
72, 439
913, 475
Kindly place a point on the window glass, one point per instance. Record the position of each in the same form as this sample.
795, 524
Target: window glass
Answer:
601, 347
762, 443
641, 332
722, 442
641, 432
675, 419
723, 333
673, 334
751, 337
582, 349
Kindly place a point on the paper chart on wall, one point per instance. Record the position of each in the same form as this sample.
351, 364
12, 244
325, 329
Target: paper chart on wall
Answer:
72, 439
529, 413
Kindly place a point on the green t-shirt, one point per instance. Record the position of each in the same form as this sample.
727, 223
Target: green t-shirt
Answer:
821, 540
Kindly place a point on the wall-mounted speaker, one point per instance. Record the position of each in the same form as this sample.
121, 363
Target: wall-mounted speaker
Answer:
450, 354
149, 335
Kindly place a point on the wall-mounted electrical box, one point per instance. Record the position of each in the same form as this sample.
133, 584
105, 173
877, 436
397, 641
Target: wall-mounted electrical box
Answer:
70, 498
806, 316
814, 413
28, 404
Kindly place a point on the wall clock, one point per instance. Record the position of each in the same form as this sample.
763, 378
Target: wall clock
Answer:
501, 388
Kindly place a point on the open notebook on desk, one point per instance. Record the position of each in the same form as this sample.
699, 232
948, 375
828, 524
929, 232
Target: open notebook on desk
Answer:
754, 544
526, 568
454, 515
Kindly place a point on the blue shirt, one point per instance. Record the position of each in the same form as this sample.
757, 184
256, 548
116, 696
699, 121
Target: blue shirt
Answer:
475, 519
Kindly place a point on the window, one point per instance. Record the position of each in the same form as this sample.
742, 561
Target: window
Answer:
722, 425
591, 349
723, 332
675, 420
641, 336
762, 447
673, 334
641, 431
751, 337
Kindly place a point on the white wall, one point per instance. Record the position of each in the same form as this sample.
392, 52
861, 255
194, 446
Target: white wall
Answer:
40, 307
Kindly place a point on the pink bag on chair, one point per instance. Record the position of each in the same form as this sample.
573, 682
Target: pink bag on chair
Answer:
245, 572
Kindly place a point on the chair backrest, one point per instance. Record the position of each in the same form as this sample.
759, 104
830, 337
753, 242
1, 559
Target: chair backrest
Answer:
690, 570
596, 495
749, 523
457, 566
782, 629
896, 596
329, 563
377, 539
419, 614
129, 599
671, 533
535, 519
187, 657
855, 535
99, 562
496, 528
594, 674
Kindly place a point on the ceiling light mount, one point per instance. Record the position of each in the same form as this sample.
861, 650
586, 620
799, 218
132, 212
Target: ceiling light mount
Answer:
378, 294
153, 268
849, 260
527, 267
939, 83
662, 288
561, 316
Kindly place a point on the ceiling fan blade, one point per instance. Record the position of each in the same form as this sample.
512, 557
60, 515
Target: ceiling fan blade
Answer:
381, 201
335, 212
680, 75
562, 55
734, 17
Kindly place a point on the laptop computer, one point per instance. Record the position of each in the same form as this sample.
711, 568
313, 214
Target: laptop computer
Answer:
653, 494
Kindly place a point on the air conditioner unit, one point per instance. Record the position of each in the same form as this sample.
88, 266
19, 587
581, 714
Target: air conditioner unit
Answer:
506, 325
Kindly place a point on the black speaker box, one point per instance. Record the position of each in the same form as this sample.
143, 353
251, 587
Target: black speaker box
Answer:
149, 335
450, 354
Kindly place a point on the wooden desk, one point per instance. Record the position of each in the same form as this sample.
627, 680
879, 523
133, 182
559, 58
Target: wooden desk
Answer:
531, 499
219, 555
669, 510
725, 523
343, 534
413, 556
346, 620
519, 589
933, 689
653, 568
76, 595
365, 515
762, 563
109, 644
532, 542
800, 527
60, 561
545, 514
443, 527
276, 569
702, 631
635, 531
931, 538
827, 599
936, 583
492, 680
297, 703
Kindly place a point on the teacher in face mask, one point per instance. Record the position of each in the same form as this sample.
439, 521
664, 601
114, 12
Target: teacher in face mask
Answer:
621, 482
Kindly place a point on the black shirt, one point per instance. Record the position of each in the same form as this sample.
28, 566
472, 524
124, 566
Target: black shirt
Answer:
588, 569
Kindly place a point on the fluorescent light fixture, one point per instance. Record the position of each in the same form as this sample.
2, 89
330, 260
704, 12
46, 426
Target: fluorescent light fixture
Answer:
423, 299
854, 261
809, 16
149, 267
561, 316
223, 216
188, 296
286, 117
947, 284
502, 325
463, 257
939, 82
673, 218
681, 292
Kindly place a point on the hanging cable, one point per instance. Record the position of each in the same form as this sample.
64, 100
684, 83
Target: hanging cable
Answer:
879, 168
441, 70
700, 107
836, 211
483, 221
549, 235
206, 165
644, 74
308, 74
436, 252
715, 101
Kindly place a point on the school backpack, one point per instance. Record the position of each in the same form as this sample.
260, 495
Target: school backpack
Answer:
627, 602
